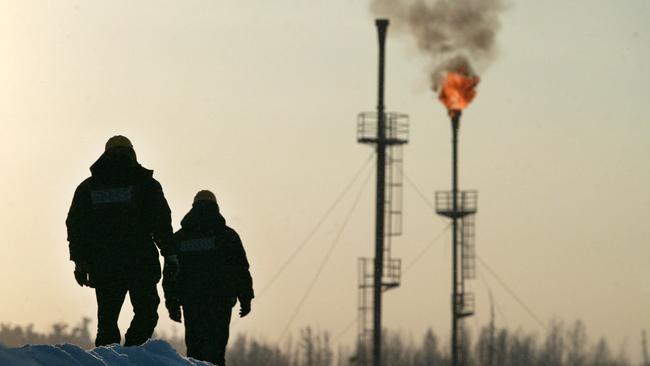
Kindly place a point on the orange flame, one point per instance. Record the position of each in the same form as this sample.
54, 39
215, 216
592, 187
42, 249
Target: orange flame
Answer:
458, 90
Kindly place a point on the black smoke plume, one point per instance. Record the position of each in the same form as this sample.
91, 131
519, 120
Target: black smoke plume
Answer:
452, 34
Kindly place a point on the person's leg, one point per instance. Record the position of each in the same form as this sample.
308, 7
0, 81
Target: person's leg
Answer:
223, 312
217, 333
145, 300
109, 303
197, 324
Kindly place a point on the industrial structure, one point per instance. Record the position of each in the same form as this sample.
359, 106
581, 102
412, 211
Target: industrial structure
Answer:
460, 207
387, 132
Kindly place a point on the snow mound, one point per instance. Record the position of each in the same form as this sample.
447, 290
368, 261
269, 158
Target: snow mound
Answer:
154, 352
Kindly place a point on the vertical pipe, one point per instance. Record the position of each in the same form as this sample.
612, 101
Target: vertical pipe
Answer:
455, 124
382, 25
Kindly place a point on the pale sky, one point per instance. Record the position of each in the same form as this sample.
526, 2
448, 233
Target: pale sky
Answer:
257, 101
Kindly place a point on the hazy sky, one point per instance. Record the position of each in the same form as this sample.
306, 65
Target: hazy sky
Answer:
257, 101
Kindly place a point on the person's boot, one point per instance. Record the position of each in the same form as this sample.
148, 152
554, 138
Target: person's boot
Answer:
107, 336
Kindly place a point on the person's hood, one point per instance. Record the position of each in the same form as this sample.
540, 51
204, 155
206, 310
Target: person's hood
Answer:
118, 167
204, 217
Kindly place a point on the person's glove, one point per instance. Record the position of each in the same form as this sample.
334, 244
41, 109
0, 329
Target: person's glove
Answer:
244, 307
81, 274
172, 266
174, 310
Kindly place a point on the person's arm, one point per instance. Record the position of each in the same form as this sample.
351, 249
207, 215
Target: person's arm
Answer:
241, 274
171, 291
79, 234
77, 225
160, 219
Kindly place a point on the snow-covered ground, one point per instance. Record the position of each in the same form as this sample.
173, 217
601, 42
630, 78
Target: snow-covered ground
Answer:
154, 352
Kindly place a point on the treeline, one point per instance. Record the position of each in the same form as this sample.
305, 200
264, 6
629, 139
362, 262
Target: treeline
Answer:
561, 345
16, 335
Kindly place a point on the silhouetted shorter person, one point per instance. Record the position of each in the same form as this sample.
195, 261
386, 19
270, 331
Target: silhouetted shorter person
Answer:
213, 276
116, 219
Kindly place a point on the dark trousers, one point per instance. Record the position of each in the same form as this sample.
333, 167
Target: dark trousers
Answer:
144, 299
207, 326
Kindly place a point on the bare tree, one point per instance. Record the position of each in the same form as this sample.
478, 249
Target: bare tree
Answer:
554, 346
577, 343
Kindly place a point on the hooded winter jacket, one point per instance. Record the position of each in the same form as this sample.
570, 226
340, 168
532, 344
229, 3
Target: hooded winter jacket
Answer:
117, 217
213, 261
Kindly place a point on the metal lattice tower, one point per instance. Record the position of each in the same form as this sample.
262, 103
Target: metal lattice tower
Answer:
460, 207
392, 215
387, 131
467, 202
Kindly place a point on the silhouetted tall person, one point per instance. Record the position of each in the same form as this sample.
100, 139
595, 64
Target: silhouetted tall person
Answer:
117, 218
213, 276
